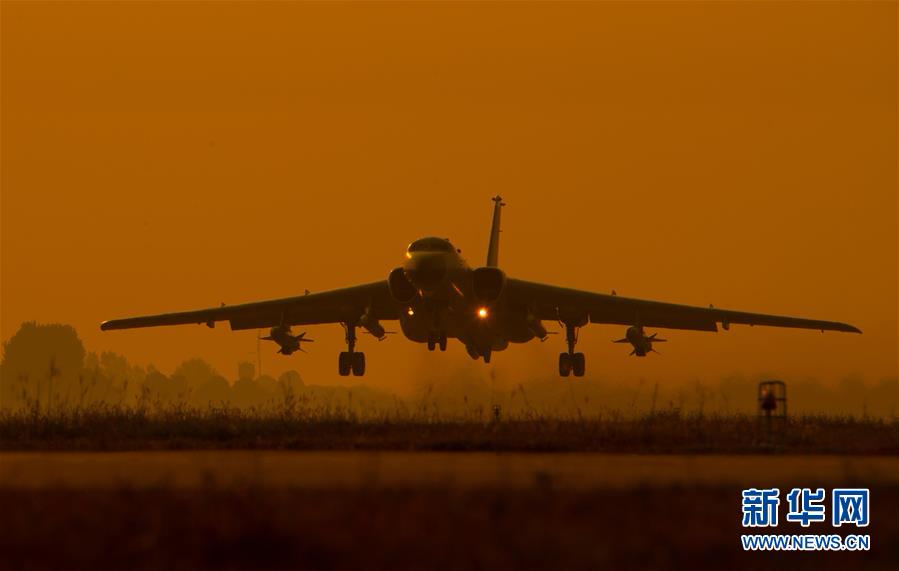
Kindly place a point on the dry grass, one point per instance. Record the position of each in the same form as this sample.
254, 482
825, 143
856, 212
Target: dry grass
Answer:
118, 428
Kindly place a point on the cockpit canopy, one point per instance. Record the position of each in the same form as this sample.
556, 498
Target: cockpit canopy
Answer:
431, 244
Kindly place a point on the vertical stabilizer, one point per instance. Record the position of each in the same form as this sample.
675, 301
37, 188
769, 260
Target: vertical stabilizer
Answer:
493, 246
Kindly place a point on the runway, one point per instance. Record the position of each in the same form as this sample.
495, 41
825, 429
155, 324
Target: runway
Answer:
291, 470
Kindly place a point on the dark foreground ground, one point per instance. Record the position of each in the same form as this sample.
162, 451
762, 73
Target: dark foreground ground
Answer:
688, 528
123, 489
414, 510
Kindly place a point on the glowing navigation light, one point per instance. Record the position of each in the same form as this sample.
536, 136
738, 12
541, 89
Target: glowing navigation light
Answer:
410, 311
482, 312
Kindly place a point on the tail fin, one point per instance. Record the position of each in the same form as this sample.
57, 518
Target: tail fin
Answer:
493, 246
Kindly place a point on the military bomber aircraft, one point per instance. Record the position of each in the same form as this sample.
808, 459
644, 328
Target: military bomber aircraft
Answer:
435, 295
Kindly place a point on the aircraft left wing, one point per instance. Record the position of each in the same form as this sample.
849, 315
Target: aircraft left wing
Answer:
555, 303
334, 306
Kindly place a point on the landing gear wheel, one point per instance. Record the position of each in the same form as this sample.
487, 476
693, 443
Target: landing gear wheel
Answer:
350, 360
344, 363
572, 362
578, 364
436, 340
358, 364
564, 364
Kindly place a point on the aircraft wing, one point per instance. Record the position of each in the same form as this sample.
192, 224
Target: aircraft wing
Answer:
332, 306
551, 303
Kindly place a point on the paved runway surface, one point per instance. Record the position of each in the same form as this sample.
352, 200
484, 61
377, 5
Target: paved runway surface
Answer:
413, 470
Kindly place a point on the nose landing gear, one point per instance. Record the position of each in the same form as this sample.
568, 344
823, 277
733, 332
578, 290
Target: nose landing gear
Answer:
571, 362
351, 360
437, 340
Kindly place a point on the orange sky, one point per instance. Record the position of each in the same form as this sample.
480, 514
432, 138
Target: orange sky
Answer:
163, 156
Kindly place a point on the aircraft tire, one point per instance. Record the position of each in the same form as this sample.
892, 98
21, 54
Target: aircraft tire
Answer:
344, 363
442, 342
578, 364
564, 364
358, 364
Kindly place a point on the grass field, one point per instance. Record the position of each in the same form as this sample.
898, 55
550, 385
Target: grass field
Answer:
112, 428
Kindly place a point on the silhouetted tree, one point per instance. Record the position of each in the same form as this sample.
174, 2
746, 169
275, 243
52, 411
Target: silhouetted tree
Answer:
163, 390
246, 371
119, 371
269, 387
214, 392
196, 372
291, 378
290, 388
247, 393
26, 374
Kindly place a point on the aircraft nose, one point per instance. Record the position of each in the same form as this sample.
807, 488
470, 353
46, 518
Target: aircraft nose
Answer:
426, 271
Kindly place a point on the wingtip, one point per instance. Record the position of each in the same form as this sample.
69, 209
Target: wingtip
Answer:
845, 327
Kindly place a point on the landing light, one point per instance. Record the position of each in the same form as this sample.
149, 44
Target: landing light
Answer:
482, 312
410, 311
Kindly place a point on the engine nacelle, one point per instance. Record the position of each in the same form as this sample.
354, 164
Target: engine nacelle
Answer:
487, 283
401, 289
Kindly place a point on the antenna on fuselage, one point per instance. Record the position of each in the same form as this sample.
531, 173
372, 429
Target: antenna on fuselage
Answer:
493, 246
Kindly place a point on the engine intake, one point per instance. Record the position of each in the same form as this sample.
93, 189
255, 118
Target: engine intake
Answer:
487, 283
401, 289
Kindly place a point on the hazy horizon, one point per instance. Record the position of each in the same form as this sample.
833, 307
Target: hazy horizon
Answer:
161, 157
86, 378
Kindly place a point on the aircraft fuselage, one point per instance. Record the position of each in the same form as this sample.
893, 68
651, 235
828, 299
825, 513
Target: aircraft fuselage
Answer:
446, 303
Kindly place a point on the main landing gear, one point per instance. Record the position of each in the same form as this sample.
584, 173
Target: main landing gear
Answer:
351, 360
571, 362
435, 340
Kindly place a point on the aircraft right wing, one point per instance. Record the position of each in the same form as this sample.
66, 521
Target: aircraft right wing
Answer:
552, 303
334, 306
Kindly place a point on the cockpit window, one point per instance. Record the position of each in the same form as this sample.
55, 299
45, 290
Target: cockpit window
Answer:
431, 245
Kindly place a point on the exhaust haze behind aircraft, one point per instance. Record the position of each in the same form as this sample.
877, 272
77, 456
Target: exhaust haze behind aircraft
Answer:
435, 295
